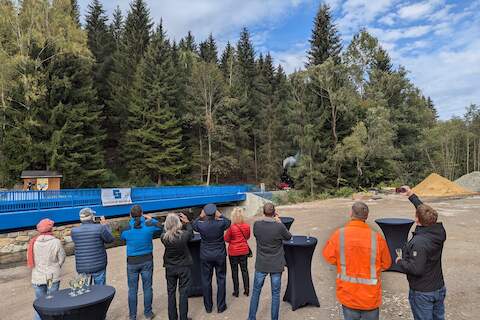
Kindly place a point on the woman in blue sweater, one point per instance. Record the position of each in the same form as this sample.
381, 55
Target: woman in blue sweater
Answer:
140, 259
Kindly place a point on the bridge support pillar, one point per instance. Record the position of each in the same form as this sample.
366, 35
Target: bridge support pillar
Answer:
252, 205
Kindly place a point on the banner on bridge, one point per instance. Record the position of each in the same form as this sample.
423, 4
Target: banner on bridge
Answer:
116, 196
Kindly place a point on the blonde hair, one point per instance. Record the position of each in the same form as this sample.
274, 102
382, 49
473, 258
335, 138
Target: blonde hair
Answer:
238, 215
173, 227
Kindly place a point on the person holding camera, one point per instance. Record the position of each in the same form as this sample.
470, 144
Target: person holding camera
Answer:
211, 225
270, 233
421, 260
177, 262
89, 240
138, 238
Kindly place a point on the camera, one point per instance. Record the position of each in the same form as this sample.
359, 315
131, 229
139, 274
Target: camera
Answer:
97, 219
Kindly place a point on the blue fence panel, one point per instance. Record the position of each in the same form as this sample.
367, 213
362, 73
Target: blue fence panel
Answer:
11, 201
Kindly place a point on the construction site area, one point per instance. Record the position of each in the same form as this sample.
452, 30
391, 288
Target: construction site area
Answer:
458, 209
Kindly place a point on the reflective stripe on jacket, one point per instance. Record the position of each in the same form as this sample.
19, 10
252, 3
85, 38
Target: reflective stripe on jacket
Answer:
360, 255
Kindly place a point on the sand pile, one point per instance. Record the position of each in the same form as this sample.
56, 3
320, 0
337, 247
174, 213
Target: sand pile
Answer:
437, 186
470, 181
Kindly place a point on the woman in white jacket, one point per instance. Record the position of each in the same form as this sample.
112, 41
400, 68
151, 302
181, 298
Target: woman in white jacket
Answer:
45, 256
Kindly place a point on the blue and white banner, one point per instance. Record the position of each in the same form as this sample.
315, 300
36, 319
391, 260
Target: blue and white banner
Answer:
116, 196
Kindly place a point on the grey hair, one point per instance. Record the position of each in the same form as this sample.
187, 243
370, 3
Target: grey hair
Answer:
173, 227
360, 210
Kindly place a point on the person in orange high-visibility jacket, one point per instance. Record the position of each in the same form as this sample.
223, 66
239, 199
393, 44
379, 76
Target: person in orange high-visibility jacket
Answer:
360, 255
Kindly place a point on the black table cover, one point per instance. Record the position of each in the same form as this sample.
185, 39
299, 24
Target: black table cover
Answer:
395, 231
300, 290
92, 305
287, 221
196, 281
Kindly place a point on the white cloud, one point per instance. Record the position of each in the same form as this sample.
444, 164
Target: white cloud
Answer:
389, 35
290, 60
418, 10
358, 13
388, 20
221, 17
451, 78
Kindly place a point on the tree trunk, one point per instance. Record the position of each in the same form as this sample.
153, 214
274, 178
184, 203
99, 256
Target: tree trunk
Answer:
209, 157
255, 164
334, 126
311, 175
468, 153
201, 154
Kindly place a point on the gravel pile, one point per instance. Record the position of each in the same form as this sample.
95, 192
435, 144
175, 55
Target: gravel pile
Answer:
470, 181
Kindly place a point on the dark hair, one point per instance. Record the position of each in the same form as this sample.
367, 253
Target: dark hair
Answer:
426, 215
269, 209
360, 210
136, 213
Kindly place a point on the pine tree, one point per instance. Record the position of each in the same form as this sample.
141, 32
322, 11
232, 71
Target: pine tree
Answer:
134, 41
75, 12
208, 50
101, 44
432, 108
244, 88
76, 143
154, 140
227, 63
325, 41
269, 122
116, 27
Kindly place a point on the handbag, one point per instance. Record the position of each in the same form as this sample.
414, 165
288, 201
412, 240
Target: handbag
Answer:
250, 253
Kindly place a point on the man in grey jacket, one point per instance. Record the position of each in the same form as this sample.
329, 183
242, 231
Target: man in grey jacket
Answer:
270, 234
89, 239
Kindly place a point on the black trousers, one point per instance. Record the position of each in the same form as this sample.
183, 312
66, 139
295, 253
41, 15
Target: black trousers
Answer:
220, 267
235, 261
180, 275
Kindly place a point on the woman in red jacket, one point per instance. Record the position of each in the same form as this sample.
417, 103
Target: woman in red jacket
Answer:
238, 250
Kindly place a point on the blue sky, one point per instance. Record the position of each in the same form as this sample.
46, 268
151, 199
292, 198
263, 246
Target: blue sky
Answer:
437, 41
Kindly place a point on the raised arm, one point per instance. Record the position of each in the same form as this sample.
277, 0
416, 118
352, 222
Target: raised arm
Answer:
414, 199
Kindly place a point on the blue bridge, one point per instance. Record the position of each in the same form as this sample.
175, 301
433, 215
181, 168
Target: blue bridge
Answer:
23, 209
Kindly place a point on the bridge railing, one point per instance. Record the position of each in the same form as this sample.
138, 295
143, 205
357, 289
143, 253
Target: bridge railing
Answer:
36, 200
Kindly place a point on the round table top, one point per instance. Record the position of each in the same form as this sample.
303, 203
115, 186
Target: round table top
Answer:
286, 219
196, 237
62, 301
300, 241
394, 221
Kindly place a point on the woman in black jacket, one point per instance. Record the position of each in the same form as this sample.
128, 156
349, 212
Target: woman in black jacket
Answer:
177, 261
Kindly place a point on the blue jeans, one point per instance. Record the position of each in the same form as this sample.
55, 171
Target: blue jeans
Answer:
99, 278
428, 305
276, 284
42, 290
145, 270
354, 314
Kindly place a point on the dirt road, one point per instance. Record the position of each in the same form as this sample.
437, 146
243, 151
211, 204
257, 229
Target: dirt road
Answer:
461, 267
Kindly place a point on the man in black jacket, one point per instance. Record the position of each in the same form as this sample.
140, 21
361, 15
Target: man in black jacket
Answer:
213, 255
421, 260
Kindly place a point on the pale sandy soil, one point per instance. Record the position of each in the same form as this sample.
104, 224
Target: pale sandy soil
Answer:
461, 267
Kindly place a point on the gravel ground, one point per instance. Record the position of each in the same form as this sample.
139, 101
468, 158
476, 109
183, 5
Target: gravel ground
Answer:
320, 218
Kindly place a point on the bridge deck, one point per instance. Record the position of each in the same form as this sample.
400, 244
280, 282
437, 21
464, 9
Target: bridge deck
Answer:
23, 209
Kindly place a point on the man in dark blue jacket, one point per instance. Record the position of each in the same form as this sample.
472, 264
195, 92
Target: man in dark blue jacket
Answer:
421, 260
213, 255
89, 239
